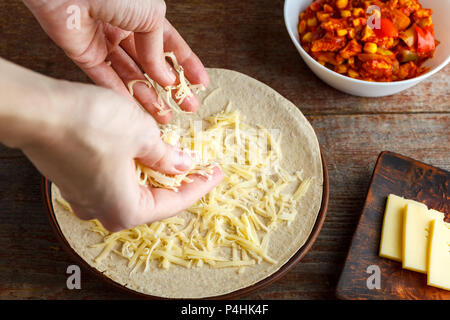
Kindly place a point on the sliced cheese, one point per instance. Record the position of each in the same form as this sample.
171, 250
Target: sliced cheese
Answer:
439, 255
416, 224
392, 230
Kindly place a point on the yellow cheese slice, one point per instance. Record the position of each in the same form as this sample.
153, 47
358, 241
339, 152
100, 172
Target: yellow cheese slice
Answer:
439, 255
416, 224
392, 231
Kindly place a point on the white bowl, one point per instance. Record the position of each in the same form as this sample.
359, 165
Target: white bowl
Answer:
441, 10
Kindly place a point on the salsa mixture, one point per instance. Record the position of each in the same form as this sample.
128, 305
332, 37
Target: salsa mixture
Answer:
370, 40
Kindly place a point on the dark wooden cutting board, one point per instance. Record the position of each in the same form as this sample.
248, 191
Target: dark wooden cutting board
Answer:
411, 179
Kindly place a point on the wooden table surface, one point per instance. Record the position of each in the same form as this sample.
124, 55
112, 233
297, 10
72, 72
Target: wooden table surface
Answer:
250, 37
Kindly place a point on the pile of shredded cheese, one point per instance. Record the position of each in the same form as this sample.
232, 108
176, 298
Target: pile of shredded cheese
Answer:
230, 226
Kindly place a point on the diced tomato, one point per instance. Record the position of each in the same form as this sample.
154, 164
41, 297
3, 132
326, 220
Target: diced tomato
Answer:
387, 29
425, 40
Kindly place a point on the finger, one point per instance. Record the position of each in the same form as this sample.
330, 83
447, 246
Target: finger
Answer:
193, 68
140, 16
163, 157
92, 62
153, 204
189, 104
81, 213
111, 225
145, 19
105, 76
150, 54
165, 203
128, 71
115, 35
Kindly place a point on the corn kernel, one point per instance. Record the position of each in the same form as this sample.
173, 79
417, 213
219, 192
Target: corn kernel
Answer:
352, 73
346, 13
356, 22
342, 32
351, 61
423, 13
342, 68
302, 26
358, 11
312, 22
425, 22
307, 37
322, 16
341, 4
370, 47
327, 8
389, 43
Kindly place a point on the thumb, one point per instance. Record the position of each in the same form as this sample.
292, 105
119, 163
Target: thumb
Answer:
163, 157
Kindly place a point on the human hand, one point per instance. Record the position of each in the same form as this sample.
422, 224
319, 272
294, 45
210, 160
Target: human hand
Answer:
132, 35
86, 139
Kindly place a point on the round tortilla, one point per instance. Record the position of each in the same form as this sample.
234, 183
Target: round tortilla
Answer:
259, 105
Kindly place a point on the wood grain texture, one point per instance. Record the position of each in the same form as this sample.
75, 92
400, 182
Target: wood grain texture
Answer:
250, 37
410, 179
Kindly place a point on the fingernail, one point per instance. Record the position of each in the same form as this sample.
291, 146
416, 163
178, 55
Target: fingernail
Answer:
183, 161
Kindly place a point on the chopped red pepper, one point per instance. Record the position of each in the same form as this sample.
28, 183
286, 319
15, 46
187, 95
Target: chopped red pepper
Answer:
425, 40
387, 29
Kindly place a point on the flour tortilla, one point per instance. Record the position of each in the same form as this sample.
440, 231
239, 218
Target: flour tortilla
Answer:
260, 105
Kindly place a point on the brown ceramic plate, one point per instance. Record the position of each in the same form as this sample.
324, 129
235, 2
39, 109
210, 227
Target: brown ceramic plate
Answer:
403, 176
46, 191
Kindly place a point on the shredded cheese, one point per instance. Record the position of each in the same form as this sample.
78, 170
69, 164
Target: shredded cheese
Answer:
230, 226
172, 95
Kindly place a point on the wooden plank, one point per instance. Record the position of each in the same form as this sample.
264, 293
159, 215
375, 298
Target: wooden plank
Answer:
31, 267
